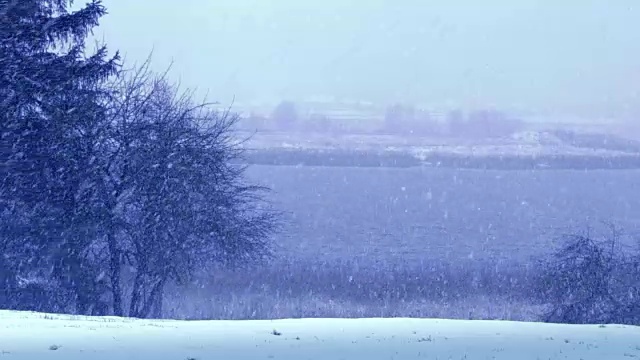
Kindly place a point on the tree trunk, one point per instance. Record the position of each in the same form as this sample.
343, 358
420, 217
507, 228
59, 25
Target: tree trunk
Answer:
136, 292
152, 304
157, 297
115, 275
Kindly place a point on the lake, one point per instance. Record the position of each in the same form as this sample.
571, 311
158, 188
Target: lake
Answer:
410, 216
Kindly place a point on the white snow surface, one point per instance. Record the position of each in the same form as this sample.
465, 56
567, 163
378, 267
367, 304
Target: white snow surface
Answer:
29, 336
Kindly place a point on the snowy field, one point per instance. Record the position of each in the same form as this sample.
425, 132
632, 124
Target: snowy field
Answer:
526, 143
36, 336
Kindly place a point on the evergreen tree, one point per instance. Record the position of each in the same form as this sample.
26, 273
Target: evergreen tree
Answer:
50, 114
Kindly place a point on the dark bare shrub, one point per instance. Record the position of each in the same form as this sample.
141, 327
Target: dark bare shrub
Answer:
592, 281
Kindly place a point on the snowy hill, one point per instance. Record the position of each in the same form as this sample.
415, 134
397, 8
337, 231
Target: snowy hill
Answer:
29, 336
528, 149
519, 144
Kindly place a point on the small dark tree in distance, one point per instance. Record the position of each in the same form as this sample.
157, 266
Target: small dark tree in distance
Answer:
456, 123
398, 118
285, 115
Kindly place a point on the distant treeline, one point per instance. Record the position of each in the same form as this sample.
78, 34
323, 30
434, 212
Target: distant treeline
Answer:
397, 119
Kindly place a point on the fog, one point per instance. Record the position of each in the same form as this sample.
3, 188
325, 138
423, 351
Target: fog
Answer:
570, 58
426, 159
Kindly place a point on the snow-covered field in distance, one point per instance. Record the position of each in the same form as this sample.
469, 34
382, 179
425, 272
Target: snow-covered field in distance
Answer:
31, 336
526, 143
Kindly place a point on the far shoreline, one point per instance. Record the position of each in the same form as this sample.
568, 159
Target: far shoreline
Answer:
398, 159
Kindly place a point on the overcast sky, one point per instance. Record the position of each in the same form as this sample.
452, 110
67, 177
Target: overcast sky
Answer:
565, 57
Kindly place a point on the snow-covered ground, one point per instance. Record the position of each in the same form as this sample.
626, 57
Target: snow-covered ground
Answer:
30, 336
526, 143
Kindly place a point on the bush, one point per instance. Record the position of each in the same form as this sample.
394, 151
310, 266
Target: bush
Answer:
592, 281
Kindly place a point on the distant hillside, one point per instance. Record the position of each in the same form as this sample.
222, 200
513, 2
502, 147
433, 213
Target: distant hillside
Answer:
535, 150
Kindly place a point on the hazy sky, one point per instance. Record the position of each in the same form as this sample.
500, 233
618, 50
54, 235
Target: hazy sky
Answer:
567, 57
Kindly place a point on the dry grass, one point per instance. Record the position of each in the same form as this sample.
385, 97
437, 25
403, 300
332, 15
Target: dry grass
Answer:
294, 290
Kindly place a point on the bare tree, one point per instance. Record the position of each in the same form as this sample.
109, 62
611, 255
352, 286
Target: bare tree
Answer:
176, 200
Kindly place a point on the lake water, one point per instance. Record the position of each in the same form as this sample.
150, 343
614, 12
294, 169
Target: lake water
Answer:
413, 215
